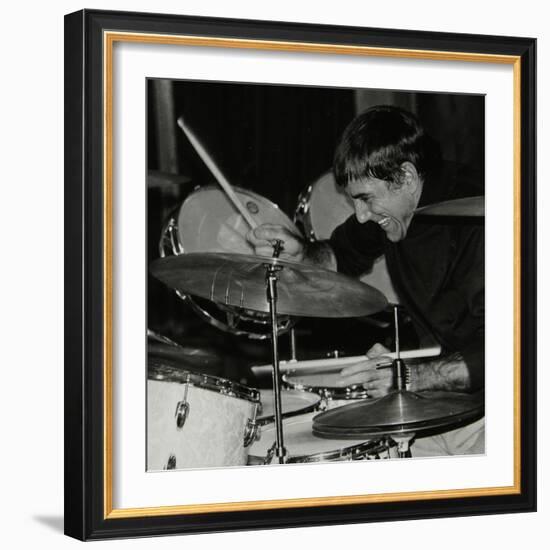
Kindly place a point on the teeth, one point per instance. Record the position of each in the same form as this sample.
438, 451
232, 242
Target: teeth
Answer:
384, 221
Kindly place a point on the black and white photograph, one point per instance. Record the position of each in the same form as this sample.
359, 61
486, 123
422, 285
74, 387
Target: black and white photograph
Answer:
315, 274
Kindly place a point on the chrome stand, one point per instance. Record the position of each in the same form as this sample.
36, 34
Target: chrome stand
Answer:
271, 280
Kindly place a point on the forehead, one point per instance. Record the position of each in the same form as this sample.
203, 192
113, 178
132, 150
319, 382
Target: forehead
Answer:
363, 186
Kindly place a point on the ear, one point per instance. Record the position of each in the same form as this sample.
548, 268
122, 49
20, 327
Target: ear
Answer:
410, 177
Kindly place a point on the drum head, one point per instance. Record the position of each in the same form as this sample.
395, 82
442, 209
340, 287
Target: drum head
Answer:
293, 403
329, 206
302, 445
208, 221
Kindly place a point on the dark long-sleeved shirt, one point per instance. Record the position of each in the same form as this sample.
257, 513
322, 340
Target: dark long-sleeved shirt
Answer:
438, 270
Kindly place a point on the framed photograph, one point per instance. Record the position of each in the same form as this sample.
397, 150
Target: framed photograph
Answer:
300, 274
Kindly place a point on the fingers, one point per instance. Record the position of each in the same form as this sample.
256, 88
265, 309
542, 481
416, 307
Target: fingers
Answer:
363, 366
366, 374
266, 233
377, 350
264, 237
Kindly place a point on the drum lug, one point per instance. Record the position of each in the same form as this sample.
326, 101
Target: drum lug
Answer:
251, 432
182, 408
270, 454
171, 464
181, 414
323, 404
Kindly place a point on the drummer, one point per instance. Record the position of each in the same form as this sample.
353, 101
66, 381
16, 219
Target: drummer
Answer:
389, 166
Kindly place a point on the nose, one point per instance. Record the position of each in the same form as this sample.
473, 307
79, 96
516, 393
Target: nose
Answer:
362, 212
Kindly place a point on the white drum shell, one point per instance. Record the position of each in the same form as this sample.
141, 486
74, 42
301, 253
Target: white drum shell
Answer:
213, 434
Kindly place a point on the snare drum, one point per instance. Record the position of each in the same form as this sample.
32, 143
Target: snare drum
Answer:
326, 383
302, 446
197, 420
208, 222
322, 207
293, 403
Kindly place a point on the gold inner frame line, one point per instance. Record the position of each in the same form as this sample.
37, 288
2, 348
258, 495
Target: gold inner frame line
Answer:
109, 39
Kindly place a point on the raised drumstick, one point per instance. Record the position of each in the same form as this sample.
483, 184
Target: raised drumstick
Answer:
221, 179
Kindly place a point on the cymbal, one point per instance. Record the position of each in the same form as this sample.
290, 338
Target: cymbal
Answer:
397, 413
239, 280
155, 178
468, 206
188, 355
163, 350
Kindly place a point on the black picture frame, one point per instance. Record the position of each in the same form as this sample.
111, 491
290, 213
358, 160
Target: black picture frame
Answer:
88, 515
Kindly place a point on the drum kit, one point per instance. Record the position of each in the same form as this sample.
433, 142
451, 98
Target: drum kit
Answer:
309, 415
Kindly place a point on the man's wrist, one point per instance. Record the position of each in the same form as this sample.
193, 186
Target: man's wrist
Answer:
448, 373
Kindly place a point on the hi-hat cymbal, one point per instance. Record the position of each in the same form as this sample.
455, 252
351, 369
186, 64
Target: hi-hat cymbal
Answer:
468, 206
398, 413
239, 280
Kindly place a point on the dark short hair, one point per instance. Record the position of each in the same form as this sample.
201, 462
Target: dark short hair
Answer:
378, 141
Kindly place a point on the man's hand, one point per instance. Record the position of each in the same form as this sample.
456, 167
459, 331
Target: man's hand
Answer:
264, 237
377, 382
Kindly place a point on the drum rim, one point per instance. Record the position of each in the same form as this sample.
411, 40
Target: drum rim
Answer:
355, 391
312, 407
351, 452
217, 384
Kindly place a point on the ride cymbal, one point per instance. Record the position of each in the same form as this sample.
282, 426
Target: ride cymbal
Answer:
239, 280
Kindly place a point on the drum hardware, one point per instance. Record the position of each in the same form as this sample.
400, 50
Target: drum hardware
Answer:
171, 464
271, 279
251, 432
292, 333
182, 408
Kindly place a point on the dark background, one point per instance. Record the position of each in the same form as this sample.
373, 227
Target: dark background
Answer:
274, 140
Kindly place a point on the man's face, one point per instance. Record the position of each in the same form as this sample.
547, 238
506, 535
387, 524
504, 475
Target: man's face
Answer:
391, 207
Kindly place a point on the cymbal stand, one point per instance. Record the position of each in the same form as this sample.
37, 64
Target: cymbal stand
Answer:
271, 283
399, 373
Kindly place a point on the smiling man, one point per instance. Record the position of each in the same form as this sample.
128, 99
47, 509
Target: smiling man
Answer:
389, 166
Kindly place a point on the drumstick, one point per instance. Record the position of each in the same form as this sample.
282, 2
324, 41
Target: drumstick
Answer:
331, 364
225, 185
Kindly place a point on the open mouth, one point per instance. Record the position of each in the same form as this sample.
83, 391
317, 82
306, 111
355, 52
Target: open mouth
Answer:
384, 222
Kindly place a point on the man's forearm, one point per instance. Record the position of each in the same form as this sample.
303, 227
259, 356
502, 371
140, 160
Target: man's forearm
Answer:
449, 373
320, 253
